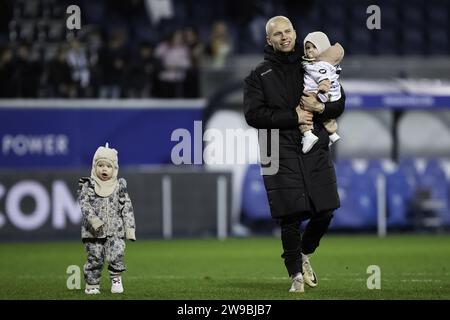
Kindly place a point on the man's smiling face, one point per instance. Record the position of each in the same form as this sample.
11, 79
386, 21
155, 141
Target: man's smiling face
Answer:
281, 35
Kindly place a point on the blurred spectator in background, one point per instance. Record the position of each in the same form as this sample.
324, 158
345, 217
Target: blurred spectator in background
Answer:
113, 61
6, 73
125, 9
196, 49
141, 73
78, 62
59, 77
249, 18
6, 13
220, 44
27, 73
94, 43
173, 55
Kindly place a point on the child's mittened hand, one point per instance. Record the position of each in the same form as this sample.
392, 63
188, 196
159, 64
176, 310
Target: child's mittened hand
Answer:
96, 223
99, 230
324, 86
130, 234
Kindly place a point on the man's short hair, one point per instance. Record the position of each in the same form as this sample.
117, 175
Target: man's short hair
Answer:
271, 20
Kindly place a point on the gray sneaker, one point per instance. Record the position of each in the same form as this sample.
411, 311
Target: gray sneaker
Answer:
297, 284
308, 273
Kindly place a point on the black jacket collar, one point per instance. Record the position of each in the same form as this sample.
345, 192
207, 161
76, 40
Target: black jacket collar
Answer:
284, 58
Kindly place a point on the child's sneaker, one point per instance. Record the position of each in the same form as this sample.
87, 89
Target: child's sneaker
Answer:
309, 140
92, 289
333, 138
116, 284
298, 284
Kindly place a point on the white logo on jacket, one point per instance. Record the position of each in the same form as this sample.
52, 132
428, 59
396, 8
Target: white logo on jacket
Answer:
265, 72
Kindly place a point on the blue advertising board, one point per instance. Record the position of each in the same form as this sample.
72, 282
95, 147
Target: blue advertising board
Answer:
396, 101
66, 133
58, 137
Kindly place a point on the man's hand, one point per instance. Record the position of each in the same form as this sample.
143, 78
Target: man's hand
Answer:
309, 102
305, 127
304, 117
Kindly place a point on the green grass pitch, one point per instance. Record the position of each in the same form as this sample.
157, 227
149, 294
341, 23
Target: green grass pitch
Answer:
412, 267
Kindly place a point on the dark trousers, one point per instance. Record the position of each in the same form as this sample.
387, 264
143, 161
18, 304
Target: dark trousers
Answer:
294, 244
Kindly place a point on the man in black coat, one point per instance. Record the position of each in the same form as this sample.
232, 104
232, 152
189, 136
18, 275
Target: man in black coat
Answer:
304, 187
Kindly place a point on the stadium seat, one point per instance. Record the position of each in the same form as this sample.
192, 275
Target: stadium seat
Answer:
399, 194
413, 40
361, 41
438, 42
357, 192
255, 206
343, 175
410, 168
336, 34
389, 17
387, 40
311, 21
428, 180
335, 13
358, 13
435, 179
413, 15
399, 191
438, 15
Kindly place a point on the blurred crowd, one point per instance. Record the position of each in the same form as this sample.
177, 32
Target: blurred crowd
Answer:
103, 60
155, 48
108, 67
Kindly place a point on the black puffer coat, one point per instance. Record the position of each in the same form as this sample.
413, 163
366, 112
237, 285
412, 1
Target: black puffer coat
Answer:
304, 183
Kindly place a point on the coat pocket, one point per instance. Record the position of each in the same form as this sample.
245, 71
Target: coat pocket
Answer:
287, 202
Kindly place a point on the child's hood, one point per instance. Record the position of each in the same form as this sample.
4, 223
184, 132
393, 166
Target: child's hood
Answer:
333, 55
105, 188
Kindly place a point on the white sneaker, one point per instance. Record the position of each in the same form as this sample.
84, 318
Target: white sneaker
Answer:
308, 141
92, 289
116, 284
333, 138
297, 284
308, 273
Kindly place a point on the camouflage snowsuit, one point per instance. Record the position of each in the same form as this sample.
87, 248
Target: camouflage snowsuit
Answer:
115, 213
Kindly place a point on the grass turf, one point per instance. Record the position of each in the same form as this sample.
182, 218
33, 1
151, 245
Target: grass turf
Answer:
412, 267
